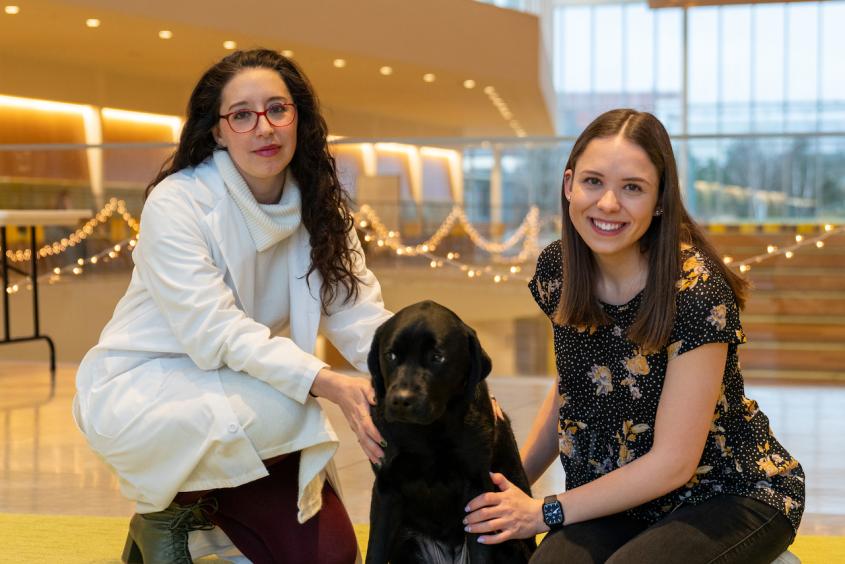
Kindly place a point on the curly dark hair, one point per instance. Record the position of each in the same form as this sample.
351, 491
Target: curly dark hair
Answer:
326, 212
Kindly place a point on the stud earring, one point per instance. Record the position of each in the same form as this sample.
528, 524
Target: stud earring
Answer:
658, 211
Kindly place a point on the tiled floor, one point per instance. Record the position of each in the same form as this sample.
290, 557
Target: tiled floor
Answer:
46, 466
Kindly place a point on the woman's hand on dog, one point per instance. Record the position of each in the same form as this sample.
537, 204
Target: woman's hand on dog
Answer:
354, 396
506, 514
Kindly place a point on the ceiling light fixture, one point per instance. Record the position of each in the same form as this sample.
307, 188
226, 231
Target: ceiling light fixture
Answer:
429, 77
12, 10
230, 45
339, 63
386, 71
469, 84
165, 34
287, 53
92, 22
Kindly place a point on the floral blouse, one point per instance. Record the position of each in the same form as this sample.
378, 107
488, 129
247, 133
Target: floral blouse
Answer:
609, 392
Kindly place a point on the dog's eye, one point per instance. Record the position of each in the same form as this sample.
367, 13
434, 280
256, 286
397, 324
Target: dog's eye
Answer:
391, 356
438, 358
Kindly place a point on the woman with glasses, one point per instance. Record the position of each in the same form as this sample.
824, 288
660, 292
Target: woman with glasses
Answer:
201, 394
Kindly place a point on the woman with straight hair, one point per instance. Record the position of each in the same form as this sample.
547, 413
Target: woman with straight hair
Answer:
201, 393
666, 459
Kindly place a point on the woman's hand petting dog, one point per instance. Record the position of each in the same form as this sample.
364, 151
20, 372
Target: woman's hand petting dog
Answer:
509, 513
354, 396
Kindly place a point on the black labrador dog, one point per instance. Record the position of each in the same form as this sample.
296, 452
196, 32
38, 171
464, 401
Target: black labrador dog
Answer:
443, 439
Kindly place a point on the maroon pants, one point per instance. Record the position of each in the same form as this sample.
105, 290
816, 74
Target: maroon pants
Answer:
260, 518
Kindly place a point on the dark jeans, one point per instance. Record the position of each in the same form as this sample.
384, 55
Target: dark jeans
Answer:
724, 529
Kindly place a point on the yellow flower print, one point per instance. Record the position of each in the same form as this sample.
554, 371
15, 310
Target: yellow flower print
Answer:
605, 465
629, 434
717, 316
774, 464
637, 364
566, 435
546, 288
589, 329
603, 378
700, 471
695, 271
721, 442
631, 382
673, 348
766, 465
723, 400
789, 504
741, 336
751, 408
715, 427
686, 283
691, 263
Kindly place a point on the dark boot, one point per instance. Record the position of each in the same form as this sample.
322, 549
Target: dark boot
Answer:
162, 537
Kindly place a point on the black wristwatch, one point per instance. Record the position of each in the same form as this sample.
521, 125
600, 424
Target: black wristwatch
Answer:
552, 513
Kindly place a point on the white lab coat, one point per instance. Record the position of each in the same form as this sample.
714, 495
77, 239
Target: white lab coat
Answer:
149, 397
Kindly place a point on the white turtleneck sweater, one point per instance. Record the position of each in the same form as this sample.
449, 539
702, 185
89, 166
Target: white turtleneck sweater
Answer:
270, 226
256, 407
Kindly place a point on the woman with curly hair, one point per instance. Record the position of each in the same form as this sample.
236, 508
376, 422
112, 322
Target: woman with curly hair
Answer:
201, 394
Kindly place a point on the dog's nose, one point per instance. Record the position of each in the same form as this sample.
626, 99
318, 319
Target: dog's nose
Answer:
402, 399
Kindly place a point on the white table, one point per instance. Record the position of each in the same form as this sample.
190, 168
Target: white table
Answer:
32, 219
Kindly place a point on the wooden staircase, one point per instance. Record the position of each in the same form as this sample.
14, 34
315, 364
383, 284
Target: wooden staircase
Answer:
795, 317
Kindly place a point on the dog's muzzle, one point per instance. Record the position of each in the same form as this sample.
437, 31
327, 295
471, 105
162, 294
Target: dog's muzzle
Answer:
406, 405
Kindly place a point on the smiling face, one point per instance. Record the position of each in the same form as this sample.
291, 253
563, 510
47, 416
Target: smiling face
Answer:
613, 194
263, 154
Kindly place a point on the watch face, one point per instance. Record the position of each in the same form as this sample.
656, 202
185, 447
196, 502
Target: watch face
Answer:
552, 513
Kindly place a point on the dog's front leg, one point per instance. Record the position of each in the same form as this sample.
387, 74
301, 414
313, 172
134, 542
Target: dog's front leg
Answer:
479, 553
385, 520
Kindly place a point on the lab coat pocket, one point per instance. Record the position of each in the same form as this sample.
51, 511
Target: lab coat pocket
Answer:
122, 400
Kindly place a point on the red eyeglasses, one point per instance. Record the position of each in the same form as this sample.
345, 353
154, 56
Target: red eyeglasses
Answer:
244, 121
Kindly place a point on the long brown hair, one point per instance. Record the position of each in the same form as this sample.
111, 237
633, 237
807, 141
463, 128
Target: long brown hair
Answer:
325, 204
661, 242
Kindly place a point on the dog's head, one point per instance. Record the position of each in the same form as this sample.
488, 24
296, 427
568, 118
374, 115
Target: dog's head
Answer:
422, 359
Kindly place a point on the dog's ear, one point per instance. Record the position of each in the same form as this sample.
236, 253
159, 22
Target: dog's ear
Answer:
480, 364
374, 363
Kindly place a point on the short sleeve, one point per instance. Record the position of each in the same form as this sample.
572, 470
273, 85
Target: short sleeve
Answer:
706, 309
546, 284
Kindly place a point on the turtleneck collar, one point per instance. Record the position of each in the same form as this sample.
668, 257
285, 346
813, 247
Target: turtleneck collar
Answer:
268, 224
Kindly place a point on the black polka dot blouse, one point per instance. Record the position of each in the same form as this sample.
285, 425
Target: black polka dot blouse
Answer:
609, 391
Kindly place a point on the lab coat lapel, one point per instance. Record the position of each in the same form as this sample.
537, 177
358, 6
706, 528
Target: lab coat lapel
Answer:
231, 235
304, 301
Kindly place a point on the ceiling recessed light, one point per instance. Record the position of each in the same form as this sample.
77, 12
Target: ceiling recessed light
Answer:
92, 22
165, 34
386, 71
489, 90
287, 53
12, 10
429, 77
339, 63
230, 45
469, 83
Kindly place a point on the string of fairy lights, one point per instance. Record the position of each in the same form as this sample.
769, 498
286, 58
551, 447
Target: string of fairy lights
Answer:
527, 232
787, 251
58, 247
500, 268
63, 245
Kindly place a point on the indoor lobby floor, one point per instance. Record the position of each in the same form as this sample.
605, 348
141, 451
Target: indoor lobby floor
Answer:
46, 466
